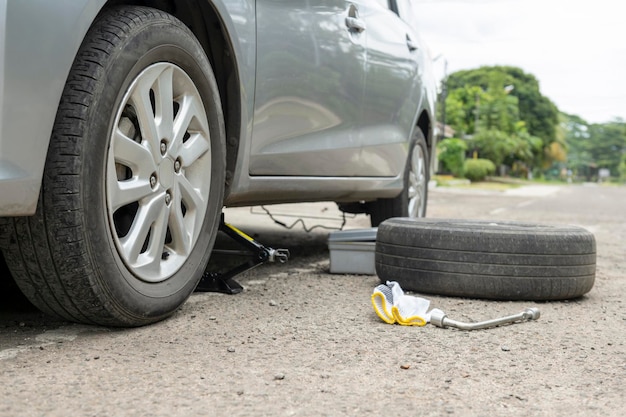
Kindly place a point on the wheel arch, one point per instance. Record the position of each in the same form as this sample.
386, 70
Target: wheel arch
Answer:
27, 84
425, 124
38, 43
209, 22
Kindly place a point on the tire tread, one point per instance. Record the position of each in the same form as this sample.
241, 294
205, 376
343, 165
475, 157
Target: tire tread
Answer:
507, 260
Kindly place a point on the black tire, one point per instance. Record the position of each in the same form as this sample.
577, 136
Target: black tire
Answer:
483, 259
411, 202
93, 252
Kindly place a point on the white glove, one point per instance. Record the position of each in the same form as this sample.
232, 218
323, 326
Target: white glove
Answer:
392, 306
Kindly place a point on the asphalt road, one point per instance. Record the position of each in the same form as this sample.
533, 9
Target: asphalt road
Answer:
301, 341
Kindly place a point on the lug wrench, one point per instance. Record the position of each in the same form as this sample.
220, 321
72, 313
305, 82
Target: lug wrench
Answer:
440, 319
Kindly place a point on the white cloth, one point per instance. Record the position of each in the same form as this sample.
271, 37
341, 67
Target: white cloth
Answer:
393, 306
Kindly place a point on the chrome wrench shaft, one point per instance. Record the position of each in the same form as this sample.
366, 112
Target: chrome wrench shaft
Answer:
440, 319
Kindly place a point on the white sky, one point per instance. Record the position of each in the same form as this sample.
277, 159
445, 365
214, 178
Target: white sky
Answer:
576, 49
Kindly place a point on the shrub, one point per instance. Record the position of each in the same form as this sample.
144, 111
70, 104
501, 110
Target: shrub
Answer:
478, 169
451, 154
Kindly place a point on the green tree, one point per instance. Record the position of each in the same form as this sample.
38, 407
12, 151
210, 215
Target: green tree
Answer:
455, 113
462, 109
622, 168
451, 154
538, 113
493, 144
499, 110
579, 144
593, 146
527, 149
609, 144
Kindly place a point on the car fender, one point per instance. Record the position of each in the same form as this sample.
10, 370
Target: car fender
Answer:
38, 42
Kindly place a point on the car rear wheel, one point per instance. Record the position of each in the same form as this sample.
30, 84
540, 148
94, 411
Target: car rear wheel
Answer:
134, 179
411, 202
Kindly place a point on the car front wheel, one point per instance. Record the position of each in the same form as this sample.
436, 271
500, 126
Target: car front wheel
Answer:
134, 179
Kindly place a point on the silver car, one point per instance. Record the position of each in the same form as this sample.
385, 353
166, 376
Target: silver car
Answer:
125, 129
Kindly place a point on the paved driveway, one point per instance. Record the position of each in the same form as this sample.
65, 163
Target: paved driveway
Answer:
300, 341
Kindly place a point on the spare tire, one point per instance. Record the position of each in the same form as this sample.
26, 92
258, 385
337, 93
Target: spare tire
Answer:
486, 259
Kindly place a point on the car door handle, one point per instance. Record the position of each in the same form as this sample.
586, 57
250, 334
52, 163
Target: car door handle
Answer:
411, 44
355, 24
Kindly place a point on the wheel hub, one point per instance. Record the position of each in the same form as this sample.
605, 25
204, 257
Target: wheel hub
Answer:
166, 173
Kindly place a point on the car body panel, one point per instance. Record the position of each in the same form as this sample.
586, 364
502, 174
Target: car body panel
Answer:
392, 95
331, 102
385, 123
309, 90
40, 41
342, 151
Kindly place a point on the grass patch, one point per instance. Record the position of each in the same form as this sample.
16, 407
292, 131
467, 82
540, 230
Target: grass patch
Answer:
490, 183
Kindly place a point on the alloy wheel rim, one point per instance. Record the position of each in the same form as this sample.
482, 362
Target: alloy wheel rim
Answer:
417, 183
158, 172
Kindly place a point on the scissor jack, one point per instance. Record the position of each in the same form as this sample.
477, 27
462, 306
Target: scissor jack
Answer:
256, 252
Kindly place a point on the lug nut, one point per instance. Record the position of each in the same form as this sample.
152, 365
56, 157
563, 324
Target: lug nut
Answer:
177, 166
168, 198
153, 180
163, 147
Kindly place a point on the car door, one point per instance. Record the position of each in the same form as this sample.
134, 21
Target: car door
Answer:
309, 89
392, 92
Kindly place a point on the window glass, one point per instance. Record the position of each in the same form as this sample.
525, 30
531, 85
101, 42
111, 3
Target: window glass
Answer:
408, 11
383, 3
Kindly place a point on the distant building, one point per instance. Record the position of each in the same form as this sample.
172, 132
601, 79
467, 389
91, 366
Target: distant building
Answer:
447, 131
